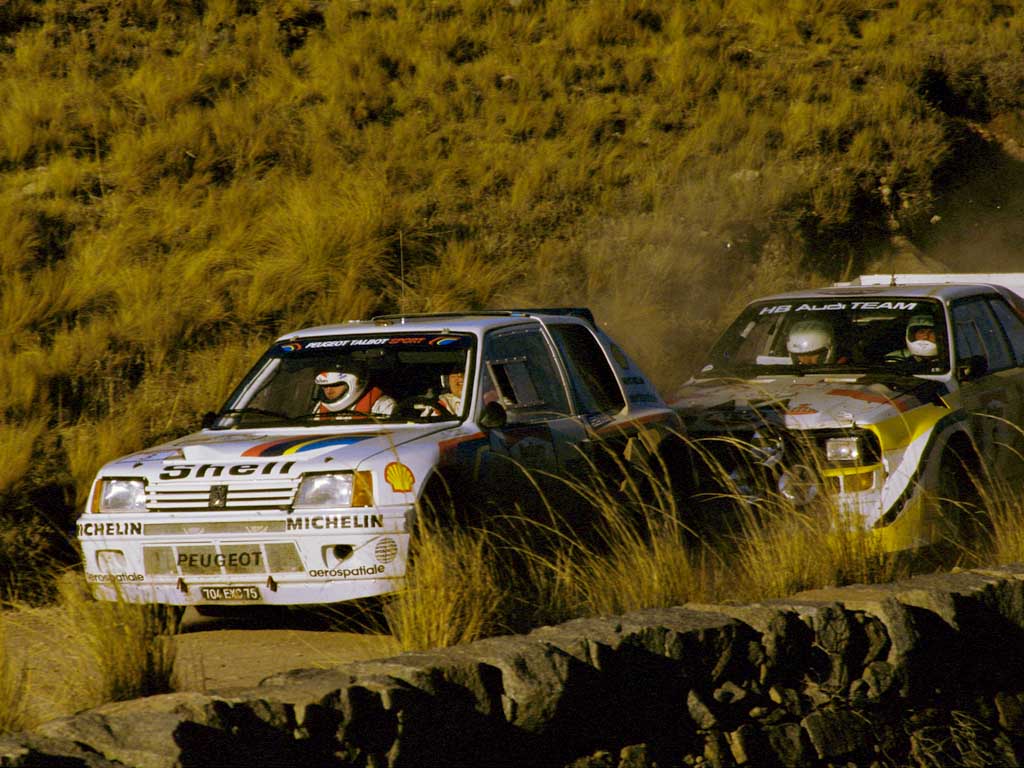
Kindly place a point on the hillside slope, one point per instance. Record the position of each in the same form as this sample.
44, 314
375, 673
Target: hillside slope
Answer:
181, 180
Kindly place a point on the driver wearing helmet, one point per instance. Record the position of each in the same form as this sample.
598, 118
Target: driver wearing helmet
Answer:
452, 383
349, 391
810, 342
920, 341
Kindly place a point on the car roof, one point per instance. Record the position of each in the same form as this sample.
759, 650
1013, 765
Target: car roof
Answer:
475, 322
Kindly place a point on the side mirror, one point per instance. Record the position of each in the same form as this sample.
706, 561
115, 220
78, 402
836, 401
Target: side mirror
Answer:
208, 419
973, 367
493, 416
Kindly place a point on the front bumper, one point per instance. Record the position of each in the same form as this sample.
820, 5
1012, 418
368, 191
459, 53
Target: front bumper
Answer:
242, 558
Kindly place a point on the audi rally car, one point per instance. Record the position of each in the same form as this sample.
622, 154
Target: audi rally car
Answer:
304, 487
887, 394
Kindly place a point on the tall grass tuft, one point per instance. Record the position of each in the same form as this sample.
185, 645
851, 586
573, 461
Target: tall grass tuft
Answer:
998, 524
122, 650
14, 714
639, 552
783, 549
16, 445
452, 592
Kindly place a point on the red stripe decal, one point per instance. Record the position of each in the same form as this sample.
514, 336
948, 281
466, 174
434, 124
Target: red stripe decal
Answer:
869, 397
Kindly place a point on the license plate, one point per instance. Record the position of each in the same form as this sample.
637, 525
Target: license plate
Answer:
230, 593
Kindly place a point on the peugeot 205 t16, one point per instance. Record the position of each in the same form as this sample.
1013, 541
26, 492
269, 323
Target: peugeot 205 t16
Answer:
305, 486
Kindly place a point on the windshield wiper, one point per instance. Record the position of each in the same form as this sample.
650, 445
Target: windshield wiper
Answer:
336, 416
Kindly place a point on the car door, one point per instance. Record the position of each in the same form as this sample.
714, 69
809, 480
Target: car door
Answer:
519, 371
597, 397
993, 399
1012, 325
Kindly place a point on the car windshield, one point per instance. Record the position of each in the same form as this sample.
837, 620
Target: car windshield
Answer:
834, 335
398, 377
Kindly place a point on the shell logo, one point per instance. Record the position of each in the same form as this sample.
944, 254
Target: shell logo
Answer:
399, 477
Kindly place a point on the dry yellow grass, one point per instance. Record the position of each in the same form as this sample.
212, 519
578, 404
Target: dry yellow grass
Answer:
782, 550
452, 594
108, 652
14, 714
176, 179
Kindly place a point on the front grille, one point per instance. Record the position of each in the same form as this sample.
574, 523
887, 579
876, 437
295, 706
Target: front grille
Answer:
211, 560
219, 497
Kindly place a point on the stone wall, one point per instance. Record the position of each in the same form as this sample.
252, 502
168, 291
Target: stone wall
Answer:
928, 672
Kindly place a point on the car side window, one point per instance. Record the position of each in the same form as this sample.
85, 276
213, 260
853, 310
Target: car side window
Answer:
520, 366
1012, 325
977, 333
594, 385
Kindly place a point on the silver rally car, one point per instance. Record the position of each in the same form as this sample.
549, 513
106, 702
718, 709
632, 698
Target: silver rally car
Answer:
888, 394
305, 486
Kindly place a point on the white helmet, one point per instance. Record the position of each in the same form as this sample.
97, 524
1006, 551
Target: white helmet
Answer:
921, 347
354, 386
811, 337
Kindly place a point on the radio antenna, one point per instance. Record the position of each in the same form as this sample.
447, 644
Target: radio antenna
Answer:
401, 271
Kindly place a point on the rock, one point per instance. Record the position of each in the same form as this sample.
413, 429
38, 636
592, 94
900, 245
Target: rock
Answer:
1011, 712
33, 751
142, 733
634, 756
717, 752
789, 745
700, 713
729, 693
600, 759
878, 644
748, 745
880, 678
835, 733
787, 698
834, 633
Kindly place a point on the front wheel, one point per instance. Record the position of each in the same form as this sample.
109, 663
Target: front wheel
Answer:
959, 505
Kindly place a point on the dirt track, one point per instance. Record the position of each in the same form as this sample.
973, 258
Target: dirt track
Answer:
216, 654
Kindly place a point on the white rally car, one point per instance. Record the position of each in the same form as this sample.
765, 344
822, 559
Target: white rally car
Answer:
890, 394
305, 486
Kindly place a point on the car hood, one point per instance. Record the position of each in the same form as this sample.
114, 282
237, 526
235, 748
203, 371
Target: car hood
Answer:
804, 402
346, 446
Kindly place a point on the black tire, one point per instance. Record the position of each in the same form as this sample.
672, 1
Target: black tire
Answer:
959, 498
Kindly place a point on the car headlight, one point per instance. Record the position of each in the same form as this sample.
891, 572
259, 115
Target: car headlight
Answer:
120, 496
845, 449
343, 489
